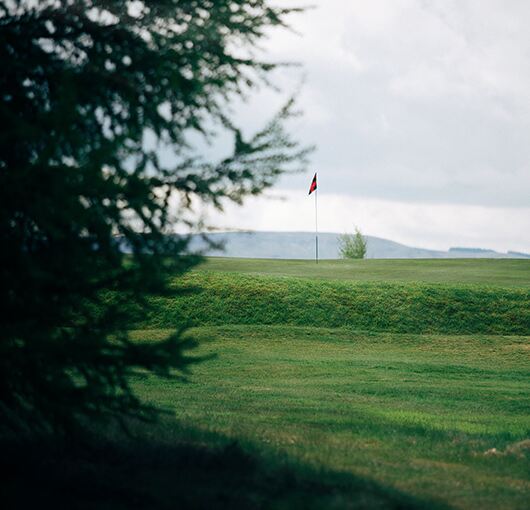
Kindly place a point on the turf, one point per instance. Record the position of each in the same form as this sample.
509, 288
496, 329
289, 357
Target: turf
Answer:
412, 374
221, 298
500, 272
439, 418
365, 384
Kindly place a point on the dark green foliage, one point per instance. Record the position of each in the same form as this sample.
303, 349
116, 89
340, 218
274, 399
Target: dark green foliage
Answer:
90, 90
231, 298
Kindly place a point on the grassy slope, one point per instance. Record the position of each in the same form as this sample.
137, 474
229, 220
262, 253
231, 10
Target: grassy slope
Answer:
413, 412
506, 273
379, 370
233, 298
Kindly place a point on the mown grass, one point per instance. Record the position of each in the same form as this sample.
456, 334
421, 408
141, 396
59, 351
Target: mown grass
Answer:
365, 384
220, 298
418, 413
407, 373
499, 272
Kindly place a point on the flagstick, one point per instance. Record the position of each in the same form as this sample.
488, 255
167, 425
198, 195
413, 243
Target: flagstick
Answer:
316, 226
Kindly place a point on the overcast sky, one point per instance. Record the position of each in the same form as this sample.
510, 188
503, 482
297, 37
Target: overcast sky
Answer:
420, 110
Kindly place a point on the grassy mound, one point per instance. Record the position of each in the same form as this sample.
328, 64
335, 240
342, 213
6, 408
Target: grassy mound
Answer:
386, 385
220, 298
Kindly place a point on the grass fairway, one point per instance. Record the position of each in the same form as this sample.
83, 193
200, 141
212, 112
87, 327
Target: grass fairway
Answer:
503, 272
412, 374
391, 384
418, 413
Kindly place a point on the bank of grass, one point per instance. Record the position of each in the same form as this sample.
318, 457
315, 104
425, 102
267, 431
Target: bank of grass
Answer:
220, 298
327, 390
438, 418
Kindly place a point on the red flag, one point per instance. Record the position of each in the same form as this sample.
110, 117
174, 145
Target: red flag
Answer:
313, 186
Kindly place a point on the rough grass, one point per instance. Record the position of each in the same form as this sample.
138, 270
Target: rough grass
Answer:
440, 418
220, 298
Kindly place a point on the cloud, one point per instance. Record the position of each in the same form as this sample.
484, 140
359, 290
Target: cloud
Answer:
420, 110
424, 225
414, 100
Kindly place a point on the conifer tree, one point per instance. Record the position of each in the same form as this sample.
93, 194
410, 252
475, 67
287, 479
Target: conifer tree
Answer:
92, 92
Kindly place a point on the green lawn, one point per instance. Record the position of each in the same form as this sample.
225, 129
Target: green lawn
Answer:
381, 384
417, 413
390, 385
504, 272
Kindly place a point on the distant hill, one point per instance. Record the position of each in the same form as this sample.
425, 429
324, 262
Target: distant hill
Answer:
301, 245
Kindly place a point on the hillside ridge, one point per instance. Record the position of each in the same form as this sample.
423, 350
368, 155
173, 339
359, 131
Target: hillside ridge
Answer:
301, 245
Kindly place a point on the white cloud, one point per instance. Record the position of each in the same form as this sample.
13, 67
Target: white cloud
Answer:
413, 100
420, 110
435, 226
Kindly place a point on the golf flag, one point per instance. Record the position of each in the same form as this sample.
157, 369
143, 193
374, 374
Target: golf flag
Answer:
313, 186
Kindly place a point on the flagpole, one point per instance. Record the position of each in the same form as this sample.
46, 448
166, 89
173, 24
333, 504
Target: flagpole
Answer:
316, 225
